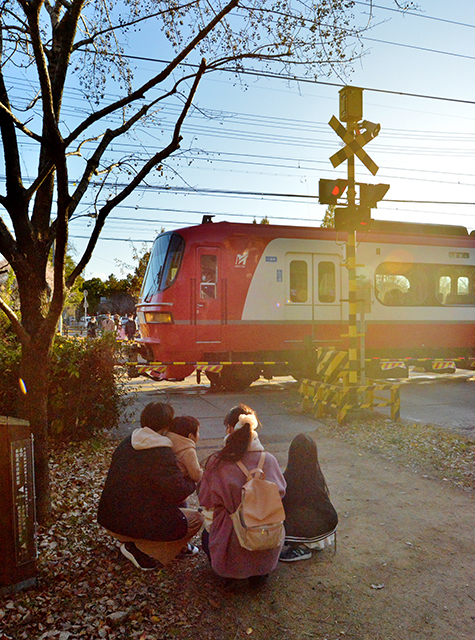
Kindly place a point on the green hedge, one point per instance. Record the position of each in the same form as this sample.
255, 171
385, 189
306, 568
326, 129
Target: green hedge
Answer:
86, 393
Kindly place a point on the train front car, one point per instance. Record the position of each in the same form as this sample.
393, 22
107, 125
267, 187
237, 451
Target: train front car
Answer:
191, 303
160, 307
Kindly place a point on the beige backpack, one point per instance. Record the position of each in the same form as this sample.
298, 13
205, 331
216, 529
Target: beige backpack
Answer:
259, 520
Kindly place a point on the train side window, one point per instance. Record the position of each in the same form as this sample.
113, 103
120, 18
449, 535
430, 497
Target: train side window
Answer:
326, 282
209, 276
405, 284
444, 288
456, 285
298, 281
425, 285
390, 287
462, 286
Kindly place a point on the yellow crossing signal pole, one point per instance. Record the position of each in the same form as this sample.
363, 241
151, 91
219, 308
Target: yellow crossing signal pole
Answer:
351, 112
357, 133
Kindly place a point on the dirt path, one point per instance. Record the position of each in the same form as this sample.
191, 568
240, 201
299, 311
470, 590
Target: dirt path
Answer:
404, 567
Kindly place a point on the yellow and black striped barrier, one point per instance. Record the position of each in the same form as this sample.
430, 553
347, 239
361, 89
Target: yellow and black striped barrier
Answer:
332, 364
202, 363
140, 368
434, 364
317, 397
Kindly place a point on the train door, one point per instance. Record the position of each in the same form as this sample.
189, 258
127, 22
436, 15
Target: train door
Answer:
208, 292
313, 287
299, 295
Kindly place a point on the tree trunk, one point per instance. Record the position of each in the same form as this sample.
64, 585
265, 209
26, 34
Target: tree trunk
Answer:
34, 371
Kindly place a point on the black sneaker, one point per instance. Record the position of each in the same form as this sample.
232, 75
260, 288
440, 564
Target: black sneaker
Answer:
140, 559
292, 554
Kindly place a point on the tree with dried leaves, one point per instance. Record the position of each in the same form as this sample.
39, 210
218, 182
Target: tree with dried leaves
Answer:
49, 47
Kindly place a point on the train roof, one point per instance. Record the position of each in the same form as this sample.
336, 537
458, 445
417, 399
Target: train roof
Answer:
378, 230
418, 228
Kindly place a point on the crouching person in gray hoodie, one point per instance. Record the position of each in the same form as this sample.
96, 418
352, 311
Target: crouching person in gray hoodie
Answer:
142, 491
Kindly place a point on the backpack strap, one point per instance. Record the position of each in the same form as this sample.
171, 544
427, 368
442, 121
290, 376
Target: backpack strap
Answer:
247, 472
243, 468
262, 459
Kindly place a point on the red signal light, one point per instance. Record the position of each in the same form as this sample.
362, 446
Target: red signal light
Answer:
357, 219
330, 190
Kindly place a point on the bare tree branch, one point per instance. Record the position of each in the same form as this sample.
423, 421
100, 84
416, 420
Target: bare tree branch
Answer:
129, 23
138, 178
16, 324
19, 124
107, 138
139, 93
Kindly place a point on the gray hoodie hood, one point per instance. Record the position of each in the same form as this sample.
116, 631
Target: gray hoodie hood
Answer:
146, 438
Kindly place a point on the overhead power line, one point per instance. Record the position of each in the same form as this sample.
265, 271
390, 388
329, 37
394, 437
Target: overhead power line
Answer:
418, 15
267, 194
418, 48
304, 80
112, 239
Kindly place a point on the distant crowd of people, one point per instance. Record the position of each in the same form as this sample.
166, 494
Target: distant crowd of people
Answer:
155, 469
125, 330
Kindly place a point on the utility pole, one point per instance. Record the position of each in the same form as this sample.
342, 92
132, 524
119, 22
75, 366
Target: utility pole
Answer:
85, 304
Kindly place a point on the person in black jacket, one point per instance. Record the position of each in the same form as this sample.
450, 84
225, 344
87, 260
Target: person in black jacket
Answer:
92, 327
144, 487
130, 327
310, 517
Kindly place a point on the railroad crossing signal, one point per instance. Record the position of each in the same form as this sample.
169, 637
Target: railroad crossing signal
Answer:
330, 190
354, 144
358, 218
371, 194
353, 219
356, 135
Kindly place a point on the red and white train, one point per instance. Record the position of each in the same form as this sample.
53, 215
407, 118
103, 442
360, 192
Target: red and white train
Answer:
269, 295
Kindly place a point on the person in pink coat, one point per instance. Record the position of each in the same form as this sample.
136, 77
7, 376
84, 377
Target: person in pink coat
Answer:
220, 495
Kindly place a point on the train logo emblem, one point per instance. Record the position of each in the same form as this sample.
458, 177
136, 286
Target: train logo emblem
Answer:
241, 259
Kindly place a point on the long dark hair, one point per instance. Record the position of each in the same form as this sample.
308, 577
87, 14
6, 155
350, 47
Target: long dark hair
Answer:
303, 463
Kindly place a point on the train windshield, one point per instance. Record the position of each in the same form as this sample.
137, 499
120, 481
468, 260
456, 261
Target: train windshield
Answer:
163, 264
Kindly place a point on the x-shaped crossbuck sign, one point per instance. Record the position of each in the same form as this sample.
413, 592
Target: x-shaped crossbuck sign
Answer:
354, 146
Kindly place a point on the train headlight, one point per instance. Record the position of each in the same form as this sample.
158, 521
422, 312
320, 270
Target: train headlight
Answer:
158, 317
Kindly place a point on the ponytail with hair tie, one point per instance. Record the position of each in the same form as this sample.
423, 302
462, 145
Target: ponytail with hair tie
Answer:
246, 418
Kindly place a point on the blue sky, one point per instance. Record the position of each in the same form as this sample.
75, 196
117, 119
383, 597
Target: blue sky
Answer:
272, 137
